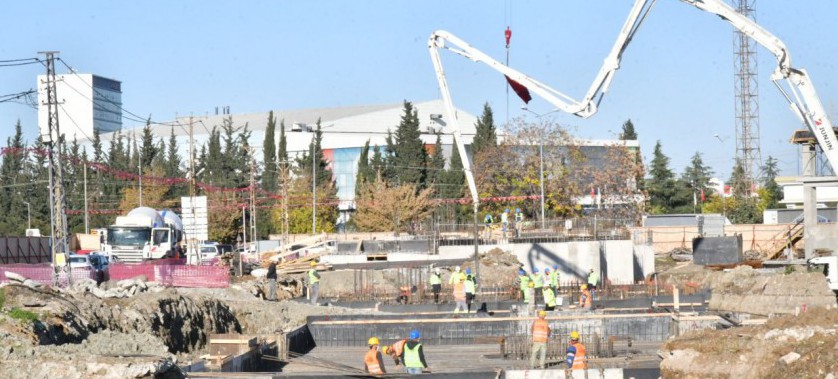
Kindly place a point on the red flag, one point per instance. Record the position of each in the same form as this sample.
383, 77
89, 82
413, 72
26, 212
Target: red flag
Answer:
592, 192
702, 195
508, 35
519, 89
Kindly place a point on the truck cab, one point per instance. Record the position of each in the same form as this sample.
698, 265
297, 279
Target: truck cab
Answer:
143, 234
830, 270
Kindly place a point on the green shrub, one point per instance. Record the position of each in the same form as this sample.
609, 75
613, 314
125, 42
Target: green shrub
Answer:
2, 298
24, 315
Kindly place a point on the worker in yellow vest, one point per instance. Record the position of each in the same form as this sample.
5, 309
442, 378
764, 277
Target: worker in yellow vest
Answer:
523, 284
538, 282
313, 283
413, 355
471, 288
373, 362
549, 298
436, 284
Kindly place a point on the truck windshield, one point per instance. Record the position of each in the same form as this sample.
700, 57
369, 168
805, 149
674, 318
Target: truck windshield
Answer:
128, 236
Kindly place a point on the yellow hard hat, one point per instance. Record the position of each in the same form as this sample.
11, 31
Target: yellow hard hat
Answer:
542, 313
584, 286
384, 349
574, 335
313, 263
372, 341
531, 285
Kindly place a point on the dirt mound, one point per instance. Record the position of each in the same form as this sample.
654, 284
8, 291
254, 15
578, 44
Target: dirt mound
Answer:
744, 289
498, 268
801, 346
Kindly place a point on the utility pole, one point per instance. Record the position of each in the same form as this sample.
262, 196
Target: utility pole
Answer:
86, 214
140, 170
57, 210
284, 167
192, 243
313, 189
252, 193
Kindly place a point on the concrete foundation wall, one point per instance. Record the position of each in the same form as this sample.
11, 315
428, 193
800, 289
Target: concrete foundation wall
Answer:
574, 259
823, 236
619, 262
608, 373
664, 239
644, 259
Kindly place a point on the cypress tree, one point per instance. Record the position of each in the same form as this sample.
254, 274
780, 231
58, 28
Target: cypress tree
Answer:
269, 175
485, 136
408, 158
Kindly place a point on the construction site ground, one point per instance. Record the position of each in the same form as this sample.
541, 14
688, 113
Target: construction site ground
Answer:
140, 329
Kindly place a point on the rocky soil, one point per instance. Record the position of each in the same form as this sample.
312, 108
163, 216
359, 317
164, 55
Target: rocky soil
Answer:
803, 346
128, 329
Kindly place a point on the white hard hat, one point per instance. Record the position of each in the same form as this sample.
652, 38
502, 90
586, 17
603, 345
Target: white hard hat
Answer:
436, 270
457, 268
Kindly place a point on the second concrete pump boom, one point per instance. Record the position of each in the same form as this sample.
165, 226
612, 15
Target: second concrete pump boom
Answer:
794, 83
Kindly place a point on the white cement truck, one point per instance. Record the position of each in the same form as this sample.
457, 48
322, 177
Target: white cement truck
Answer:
143, 234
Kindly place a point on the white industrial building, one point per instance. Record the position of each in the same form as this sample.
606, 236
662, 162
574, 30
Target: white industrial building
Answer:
86, 102
345, 131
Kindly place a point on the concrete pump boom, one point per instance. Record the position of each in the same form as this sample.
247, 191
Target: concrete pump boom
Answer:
800, 93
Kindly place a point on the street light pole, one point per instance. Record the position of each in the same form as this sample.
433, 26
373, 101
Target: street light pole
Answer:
541, 178
28, 215
313, 189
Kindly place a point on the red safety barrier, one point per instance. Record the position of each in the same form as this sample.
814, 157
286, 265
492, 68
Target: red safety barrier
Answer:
120, 271
171, 275
42, 273
193, 276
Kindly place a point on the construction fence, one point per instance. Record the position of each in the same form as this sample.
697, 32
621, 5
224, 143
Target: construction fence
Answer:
170, 275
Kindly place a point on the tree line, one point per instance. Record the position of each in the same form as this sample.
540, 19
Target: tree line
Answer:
402, 186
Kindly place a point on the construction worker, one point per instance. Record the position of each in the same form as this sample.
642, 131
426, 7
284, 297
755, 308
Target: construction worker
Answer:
538, 282
540, 335
554, 279
456, 276
504, 221
373, 362
549, 298
271, 276
576, 358
593, 280
413, 356
436, 284
313, 283
460, 296
523, 284
585, 297
395, 350
471, 288
530, 296
519, 222
488, 220
404, 295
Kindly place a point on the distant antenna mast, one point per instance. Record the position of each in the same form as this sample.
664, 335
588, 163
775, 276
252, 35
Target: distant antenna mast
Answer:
747, 99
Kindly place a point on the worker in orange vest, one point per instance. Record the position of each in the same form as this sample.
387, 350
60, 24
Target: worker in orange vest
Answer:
460, 296
373, 362
585, 297
576, 358
395, 350
540, 334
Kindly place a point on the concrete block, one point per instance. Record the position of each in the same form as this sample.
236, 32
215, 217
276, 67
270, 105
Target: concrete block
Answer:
608, 373
717, 250
644, 258
619, 261
573, 258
